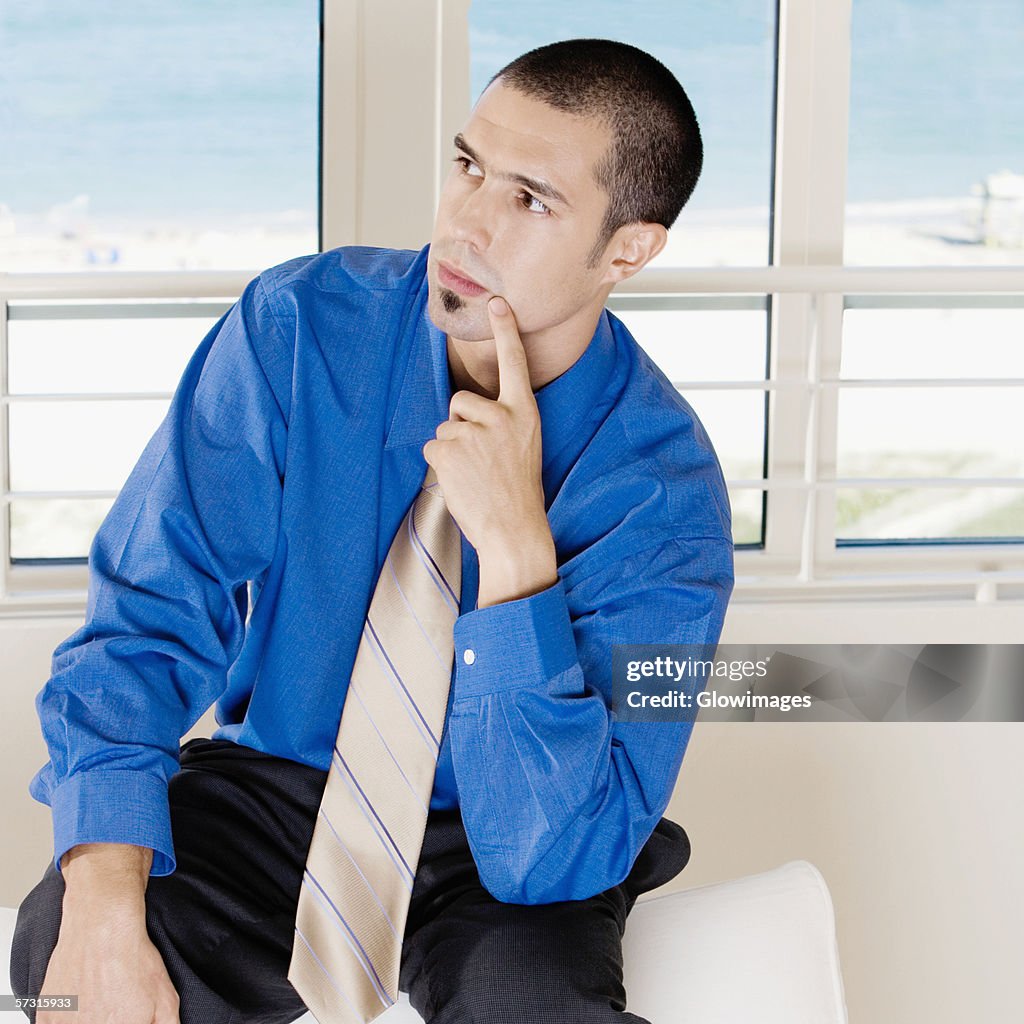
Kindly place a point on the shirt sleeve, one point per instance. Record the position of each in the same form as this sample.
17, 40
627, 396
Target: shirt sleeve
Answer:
168, 571
557, 796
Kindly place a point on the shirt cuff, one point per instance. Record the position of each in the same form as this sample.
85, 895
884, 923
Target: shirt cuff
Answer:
113, 806
513, 644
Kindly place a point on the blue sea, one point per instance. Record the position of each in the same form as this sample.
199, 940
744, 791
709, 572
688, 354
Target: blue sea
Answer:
209, 107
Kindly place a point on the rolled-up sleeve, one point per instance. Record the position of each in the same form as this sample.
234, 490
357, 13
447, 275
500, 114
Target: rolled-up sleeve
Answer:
557, 796
168, 571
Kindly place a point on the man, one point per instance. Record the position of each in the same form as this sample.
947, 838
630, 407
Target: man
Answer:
591, 511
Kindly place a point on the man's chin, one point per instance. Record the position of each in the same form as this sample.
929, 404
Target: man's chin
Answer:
458, 317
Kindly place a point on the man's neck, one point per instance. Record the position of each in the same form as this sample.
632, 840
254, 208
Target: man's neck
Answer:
473, 365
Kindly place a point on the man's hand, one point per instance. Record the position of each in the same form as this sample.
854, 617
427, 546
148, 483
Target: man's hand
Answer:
488, 457
104, 954
107, 958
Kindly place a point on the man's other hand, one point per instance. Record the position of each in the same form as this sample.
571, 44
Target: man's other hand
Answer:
104, 954
107, 958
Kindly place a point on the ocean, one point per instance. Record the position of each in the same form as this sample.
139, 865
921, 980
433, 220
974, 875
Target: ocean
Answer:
209, 107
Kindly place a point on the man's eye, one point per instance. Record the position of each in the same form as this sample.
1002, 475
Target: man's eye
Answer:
468, 167
532, 203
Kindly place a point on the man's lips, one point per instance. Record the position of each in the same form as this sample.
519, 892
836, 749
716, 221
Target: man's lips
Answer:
456, 281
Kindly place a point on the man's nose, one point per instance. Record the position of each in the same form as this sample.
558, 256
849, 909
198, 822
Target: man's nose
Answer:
473, 219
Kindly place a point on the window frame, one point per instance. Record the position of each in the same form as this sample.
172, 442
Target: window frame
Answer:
369, 196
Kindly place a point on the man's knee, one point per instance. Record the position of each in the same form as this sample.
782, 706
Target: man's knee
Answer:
528, 965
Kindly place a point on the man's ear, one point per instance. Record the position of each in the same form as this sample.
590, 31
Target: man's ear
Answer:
634, 246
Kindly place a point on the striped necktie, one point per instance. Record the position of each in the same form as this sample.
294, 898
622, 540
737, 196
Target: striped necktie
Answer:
366, 843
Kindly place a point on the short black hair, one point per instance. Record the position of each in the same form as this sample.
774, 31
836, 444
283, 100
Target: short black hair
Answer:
655, 156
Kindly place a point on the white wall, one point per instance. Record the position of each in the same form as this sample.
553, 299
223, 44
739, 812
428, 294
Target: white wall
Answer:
917, 828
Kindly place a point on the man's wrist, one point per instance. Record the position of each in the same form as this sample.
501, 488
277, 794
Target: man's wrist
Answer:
114, 872
516, 569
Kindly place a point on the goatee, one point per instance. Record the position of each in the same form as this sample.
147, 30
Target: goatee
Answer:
451, 302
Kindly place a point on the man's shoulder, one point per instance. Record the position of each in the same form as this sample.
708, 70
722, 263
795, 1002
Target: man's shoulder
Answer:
348, 270
660, 430
655, 414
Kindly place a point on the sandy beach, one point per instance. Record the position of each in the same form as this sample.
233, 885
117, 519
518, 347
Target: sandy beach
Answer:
75, 241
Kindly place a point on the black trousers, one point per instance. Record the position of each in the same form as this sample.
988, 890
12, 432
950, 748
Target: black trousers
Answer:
242, 821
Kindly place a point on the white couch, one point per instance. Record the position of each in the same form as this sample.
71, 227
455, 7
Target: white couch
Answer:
760, 948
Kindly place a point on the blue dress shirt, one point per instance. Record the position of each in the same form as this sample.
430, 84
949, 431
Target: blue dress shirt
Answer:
237, 565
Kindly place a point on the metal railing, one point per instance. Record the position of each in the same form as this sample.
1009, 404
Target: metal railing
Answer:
982, 569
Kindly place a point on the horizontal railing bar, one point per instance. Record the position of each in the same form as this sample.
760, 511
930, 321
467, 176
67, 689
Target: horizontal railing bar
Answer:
701, 385
185, 308
87, 396
931, 481
127, 284
884, 482
675, 302
682, 385
879, 579
924, 382
743, 584
158, 309
834, 483
948, 301
49, 604
741, 385
829, 279
834, 382
838, 279
53, 495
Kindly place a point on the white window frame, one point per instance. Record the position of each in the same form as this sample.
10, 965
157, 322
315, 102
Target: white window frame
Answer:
385, 152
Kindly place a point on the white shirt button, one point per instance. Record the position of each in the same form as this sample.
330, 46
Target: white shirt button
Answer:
469, 655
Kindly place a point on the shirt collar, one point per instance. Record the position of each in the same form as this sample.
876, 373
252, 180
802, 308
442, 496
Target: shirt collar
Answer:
570, 406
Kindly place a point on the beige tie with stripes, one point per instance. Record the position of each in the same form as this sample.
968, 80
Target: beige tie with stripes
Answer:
366, 842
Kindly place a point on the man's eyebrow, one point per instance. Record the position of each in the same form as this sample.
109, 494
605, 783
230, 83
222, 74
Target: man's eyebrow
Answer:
541, 187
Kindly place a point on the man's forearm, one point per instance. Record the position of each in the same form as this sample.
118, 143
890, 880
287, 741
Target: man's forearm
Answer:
115, 872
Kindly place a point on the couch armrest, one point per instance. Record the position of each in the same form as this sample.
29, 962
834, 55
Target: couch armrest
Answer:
758, 948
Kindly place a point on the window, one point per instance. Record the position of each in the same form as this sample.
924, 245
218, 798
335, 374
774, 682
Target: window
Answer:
75, 428
936, 164
862, 390
917, 438
152, 136
935, 178
137, 137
